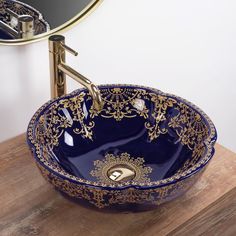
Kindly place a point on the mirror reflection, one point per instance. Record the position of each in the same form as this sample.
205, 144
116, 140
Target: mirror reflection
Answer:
26, 19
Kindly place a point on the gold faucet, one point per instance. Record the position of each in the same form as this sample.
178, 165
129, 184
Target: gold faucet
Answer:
59, 70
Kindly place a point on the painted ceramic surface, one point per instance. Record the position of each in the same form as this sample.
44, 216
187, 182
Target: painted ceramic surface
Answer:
163, 142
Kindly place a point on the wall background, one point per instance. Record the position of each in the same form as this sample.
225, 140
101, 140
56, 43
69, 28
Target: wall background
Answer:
183, 47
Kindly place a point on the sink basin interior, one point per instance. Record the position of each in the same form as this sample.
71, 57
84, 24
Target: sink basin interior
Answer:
141, 135
164, 155
5, 35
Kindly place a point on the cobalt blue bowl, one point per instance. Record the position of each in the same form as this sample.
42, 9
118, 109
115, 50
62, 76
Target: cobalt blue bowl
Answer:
144, 148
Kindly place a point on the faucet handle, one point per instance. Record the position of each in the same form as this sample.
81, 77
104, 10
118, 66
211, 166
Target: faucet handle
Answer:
68, 49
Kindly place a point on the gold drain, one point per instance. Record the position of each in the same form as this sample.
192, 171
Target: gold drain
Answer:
122, 173
120, 169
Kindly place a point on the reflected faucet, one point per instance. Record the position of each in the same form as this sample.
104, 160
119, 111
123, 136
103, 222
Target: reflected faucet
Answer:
59, 69
24, 25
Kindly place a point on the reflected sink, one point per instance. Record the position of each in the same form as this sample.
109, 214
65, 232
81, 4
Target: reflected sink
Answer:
10, 11
144, 148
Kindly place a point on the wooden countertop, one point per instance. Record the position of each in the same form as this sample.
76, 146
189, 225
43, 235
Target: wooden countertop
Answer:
31, 206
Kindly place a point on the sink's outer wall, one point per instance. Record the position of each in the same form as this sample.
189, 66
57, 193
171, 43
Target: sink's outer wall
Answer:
126, 199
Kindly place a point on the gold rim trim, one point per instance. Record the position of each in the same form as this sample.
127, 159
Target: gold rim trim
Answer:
178, 176
61, 29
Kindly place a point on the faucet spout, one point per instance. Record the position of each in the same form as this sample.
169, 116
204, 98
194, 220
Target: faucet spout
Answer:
59, 69
93, 89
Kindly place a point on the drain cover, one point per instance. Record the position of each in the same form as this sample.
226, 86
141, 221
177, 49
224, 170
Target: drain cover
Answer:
121, 173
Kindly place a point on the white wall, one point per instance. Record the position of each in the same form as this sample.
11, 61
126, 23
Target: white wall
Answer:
184, 47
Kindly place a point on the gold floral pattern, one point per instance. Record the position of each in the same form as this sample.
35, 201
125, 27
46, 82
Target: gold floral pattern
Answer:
2, 8
102, 198
61, 115
198, 152
161, 104
137, 164
185, 115
120, 103
189, 126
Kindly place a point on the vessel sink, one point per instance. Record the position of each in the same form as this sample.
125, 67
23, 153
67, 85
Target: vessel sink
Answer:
145, 147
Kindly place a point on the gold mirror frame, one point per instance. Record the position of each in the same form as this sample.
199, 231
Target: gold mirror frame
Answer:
62, 28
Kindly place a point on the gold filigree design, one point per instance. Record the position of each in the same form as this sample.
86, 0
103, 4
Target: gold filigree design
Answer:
201, 159
137, 164
132, 195
161, 104
61, 115
123, 103
75, 104
102, 198
2, 7
198, 152
18, 8
120, 103
189, 126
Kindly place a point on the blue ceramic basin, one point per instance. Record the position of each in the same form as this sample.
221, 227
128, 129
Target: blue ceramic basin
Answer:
5, 35
144, 148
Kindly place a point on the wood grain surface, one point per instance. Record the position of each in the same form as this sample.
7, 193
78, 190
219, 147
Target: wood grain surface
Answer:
30, 206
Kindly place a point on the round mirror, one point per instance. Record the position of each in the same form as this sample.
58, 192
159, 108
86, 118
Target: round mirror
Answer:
28, 21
